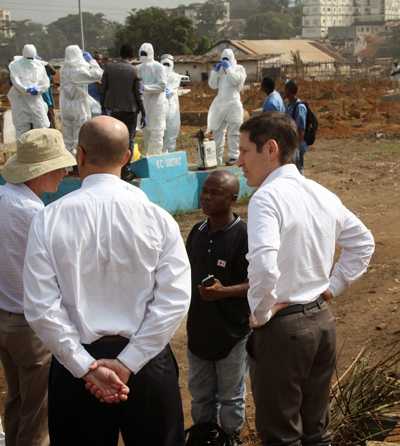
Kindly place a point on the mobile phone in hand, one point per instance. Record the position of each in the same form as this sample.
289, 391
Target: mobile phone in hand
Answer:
208, 281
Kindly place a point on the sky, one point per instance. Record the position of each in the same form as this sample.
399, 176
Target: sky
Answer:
46, 11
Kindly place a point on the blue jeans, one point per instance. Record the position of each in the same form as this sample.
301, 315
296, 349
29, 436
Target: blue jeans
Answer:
298, 157
218, 388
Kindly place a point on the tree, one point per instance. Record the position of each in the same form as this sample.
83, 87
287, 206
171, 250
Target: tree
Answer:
99, 32
24, 31
167, 33
269, 26
273, 5
210, 14
243, 9
203, 45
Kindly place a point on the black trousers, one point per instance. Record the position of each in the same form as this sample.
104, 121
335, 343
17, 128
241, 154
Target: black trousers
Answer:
130, 120
151, 416
292, 359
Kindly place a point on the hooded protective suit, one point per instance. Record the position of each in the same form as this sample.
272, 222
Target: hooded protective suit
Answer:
154, 79
75, 102
173, 119
226, 110
29, 80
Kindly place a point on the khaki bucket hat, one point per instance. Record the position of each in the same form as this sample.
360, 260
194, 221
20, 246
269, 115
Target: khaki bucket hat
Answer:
39, 151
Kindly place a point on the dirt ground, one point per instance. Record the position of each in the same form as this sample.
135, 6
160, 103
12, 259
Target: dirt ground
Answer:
365, 175
362, 168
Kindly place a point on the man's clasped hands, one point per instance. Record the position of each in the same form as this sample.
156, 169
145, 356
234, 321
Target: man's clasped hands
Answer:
107, 380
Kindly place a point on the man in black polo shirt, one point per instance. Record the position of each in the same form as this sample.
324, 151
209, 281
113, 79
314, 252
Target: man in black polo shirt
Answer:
217, 324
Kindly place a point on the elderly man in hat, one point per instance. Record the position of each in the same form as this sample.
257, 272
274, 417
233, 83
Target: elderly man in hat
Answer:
38, 166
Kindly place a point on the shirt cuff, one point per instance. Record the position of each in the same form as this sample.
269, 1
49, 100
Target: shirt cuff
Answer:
134, 358
336, 286
79, 364
262, 318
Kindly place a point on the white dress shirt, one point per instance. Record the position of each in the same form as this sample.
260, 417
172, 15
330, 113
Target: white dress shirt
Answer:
294, 225
104, 260
18, 205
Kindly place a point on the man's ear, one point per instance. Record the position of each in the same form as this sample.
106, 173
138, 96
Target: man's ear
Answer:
127, 157
80, 156
273, 149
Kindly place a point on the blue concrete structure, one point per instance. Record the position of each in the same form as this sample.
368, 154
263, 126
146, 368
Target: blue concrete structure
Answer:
166, 179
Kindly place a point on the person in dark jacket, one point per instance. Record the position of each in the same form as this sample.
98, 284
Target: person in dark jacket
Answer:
121, 95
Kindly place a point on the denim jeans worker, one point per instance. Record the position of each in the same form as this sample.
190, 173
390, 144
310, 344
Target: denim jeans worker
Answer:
217, 324
228, 376
294, 226
298, 112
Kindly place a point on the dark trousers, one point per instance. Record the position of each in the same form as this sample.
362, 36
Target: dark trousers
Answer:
292, 359
130, 120
151, 416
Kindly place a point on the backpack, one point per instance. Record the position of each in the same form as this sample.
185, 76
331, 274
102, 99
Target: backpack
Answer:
310, 131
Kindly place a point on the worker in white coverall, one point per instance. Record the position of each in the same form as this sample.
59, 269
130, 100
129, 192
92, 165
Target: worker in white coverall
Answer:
154, 79
226, 110
29, 80
79, 70
173, 118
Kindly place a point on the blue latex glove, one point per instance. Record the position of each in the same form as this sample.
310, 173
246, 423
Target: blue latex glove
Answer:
32, 91
217, 66
168, 92
226, 64
87, 56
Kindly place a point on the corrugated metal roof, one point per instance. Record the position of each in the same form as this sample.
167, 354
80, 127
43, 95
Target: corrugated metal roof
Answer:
308, 49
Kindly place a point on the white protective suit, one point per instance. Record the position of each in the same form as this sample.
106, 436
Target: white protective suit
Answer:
173, 119
28, 110
75, 102
154, 79
226, 110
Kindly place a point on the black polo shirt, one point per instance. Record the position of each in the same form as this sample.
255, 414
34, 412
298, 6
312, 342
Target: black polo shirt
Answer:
214, 328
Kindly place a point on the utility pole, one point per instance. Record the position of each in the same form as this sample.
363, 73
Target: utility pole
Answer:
81, 20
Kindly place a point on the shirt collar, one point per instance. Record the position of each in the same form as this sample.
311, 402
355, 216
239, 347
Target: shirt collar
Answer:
286, 171
271, 94
100, 178
24, 190
204, 226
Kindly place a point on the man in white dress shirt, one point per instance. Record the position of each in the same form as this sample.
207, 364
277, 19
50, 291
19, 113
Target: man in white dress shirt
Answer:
107, 283
294, 225
38, 167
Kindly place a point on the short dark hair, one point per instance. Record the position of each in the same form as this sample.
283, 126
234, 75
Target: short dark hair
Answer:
268, 84
126, 51
277, 126
291, 86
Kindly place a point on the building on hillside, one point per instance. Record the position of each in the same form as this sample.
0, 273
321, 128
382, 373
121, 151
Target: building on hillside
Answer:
321, 15
265, 57
199, 67
5, 24
292, 57
193, 10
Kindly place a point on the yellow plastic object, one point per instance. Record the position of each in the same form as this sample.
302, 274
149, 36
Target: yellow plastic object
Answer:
136, 153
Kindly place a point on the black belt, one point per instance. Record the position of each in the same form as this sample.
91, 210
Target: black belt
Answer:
299, 308
111, 339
